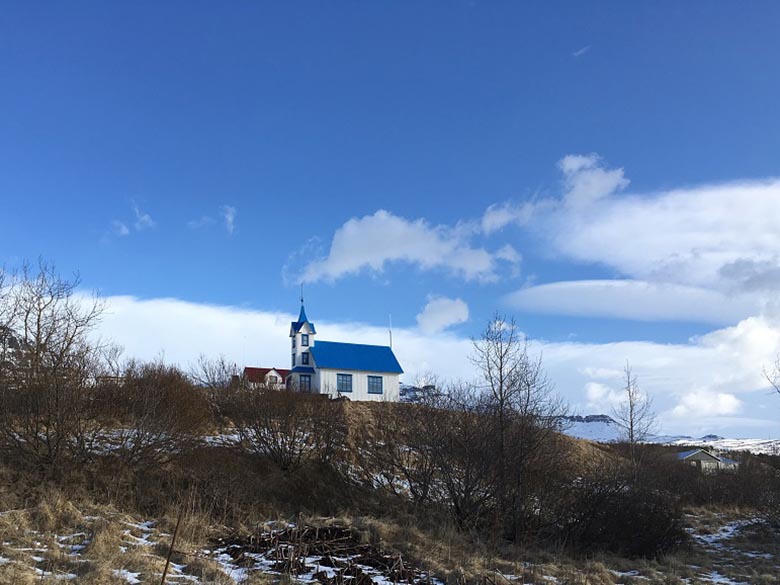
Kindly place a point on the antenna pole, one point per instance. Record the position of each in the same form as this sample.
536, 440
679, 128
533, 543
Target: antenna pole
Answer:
390, 316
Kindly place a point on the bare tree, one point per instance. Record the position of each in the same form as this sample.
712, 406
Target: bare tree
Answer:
218, 377
43, 388
527, 417
634, 415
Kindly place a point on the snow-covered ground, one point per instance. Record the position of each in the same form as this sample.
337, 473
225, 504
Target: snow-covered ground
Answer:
603, 429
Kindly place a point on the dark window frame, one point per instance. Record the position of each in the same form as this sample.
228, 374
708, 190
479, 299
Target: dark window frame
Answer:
375, 380
341, 383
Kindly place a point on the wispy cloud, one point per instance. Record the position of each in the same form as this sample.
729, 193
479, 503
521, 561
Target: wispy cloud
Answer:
143, 221
228, 214
581, 51
119, 228
204, 221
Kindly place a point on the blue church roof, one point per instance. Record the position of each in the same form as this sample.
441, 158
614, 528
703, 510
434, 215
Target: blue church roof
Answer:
354, 356
296, 325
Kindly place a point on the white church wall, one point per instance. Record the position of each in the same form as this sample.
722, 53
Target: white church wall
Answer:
327, 384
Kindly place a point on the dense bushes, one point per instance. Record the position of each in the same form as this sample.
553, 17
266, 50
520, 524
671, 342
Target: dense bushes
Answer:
607, 510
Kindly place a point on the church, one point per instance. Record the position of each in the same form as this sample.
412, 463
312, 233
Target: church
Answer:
351, 370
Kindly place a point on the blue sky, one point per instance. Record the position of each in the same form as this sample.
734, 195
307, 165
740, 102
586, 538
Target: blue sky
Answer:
603, 172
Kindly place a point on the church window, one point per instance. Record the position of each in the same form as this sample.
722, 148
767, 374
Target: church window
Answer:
305, 383
293, 360
304, 340
344, 382
305, 358
375, 384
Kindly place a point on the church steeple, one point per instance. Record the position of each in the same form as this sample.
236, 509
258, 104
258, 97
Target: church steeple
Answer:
296, 326
302, 334
302, 316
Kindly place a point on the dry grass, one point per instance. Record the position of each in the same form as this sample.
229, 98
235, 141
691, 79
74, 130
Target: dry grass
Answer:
115, 541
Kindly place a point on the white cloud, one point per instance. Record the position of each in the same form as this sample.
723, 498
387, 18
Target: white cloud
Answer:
634, 299
703, 403
228, 214
711, 368
602, 398
708, 253
500, 215
441, 313
586, 180
721, 236
374, 241
143, 220
603, 373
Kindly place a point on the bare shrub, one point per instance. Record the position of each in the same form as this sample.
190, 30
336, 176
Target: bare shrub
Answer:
218, 378
464, 452
606, 510
159, 413
397, 452
286, 426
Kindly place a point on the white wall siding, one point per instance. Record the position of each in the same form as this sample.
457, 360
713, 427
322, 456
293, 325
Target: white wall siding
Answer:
326, 382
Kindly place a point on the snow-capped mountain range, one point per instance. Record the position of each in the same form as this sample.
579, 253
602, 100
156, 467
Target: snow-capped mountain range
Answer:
604, 429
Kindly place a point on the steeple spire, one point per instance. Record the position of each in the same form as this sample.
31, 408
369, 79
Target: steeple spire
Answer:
295, 326
302, 317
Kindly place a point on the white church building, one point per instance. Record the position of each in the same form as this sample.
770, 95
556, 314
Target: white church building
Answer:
352, 370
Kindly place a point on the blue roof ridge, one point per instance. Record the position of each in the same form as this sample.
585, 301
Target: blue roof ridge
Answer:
339, 355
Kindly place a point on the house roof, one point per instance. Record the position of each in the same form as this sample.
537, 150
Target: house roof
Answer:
295, 326
258, 374
303, 370
692, 452
354, 356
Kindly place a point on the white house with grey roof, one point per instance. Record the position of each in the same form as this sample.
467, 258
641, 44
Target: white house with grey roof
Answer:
706, 460
352, 370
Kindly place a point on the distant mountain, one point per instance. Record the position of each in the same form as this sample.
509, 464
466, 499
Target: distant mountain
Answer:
593, 427
602, 428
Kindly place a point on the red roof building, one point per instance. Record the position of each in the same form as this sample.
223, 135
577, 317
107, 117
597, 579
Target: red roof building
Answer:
269, 376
